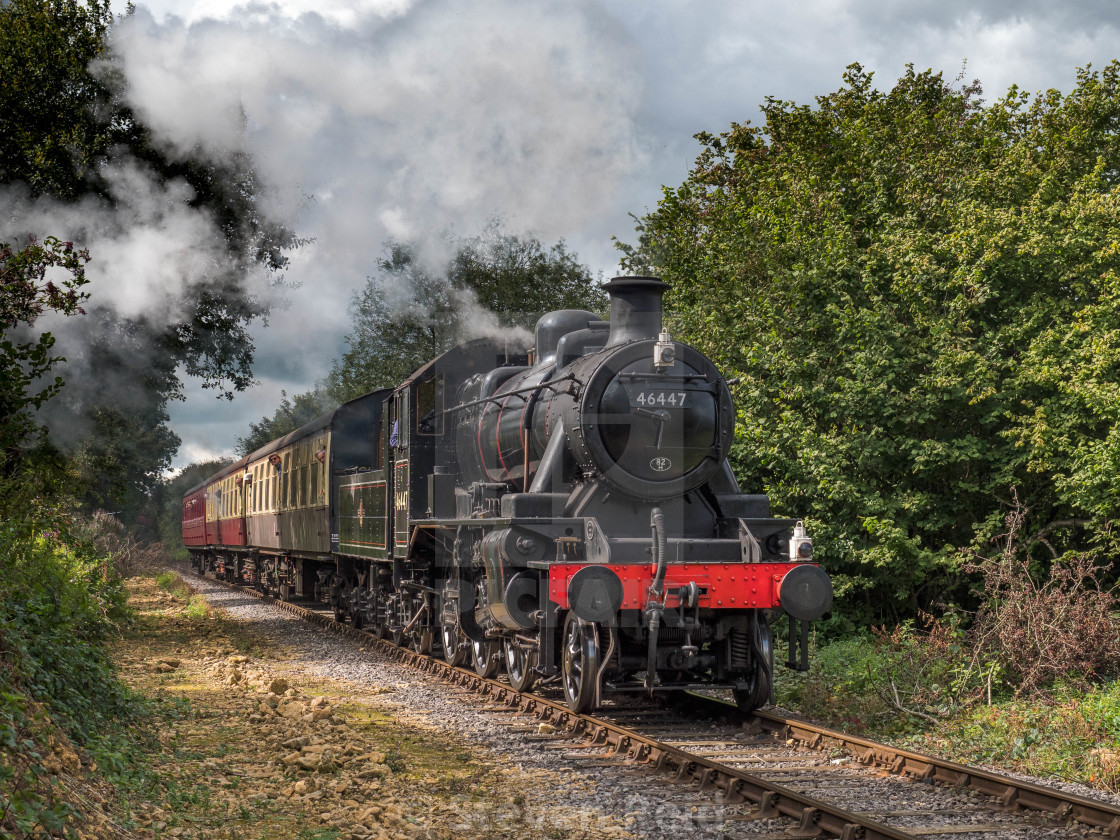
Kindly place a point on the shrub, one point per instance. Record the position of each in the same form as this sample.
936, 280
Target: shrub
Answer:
1075, 735
839, 687
1061, 628
197, 607
934, 672
57, 607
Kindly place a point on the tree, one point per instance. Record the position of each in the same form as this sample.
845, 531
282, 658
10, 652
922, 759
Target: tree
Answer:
25, 295
408, 314
892, 276
66, 129
52, 133
290, 415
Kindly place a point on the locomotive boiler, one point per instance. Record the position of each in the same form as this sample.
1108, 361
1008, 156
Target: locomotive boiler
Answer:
563, 511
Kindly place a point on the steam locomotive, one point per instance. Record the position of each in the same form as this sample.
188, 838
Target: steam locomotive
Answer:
563, 511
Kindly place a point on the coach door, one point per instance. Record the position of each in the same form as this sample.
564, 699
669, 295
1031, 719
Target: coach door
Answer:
399, 449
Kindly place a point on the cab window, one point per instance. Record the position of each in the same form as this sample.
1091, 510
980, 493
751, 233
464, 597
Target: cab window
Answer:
429, 406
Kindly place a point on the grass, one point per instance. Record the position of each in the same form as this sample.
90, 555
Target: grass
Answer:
197, 607
173, 584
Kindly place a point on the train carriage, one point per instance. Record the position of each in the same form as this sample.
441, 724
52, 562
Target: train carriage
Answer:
194, 517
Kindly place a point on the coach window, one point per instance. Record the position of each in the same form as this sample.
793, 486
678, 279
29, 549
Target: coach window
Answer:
285, 479
300, 490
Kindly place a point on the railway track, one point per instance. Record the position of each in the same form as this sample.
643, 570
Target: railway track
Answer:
767, 766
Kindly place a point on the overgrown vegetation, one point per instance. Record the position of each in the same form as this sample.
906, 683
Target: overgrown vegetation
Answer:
59, 601
1028, 682
60, 596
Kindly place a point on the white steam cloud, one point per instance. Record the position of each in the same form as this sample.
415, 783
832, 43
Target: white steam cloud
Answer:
404, 122
436, 117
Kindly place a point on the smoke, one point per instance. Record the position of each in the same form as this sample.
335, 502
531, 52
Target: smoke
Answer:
149, 246
407, 123
436, 117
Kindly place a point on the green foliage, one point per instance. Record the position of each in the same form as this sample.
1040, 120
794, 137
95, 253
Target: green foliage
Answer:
52, 132
290, 415
1073, 736
197, 607
838, 689
896, 683
58, 603
25, 295
918, 294
931, 690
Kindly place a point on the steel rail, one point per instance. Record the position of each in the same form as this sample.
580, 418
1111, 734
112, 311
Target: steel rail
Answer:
736, 786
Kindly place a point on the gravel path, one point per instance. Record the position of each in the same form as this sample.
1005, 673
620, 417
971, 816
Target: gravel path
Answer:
647, 805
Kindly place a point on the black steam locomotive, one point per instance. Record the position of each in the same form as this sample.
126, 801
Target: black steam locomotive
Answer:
565, 511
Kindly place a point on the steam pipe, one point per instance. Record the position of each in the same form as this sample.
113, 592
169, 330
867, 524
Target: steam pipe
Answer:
657, 523
656, 605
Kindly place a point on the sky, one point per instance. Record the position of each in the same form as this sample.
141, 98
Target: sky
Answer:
371, 119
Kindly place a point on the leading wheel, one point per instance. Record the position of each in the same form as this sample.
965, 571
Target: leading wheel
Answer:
754, 692
422, 638
579, 662
485, 657
519, 665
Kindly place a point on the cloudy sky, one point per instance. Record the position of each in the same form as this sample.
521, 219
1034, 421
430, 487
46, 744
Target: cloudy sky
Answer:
379, 118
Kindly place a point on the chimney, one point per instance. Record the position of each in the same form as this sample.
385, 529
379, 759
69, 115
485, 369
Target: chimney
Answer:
635, 308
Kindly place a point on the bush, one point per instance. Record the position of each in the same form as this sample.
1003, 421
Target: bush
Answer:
891, 683
839, 689
1060, 629
58, 603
